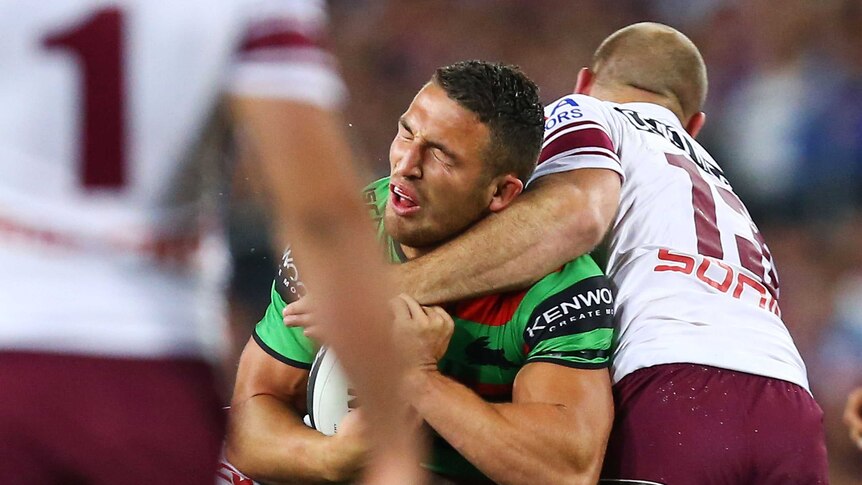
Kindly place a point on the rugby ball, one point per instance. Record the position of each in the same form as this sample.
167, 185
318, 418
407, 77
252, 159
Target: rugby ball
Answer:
328, 395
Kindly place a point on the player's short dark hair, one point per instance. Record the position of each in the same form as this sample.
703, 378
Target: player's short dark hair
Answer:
505, 100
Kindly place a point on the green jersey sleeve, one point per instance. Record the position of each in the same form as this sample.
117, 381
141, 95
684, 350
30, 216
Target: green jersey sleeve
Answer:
287, 344
567, 317
290, 345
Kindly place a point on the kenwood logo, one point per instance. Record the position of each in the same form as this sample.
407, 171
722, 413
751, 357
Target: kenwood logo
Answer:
580, 306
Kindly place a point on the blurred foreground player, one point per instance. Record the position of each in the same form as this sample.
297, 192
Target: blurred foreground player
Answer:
110, 253
708, 384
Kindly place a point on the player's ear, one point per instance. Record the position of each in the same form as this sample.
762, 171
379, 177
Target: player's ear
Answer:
506, 188
584, 84
695, 123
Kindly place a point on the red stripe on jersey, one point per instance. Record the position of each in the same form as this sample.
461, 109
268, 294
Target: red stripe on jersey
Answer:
565, 127
491, 310
583, 138
277, 40
496, 392
492, 391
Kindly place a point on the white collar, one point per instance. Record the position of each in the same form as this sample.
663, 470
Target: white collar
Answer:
657, 112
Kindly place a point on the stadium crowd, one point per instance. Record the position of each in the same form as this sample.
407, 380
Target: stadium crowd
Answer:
786, 87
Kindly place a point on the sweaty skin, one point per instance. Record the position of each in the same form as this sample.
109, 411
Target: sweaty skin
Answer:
294, 141
559, 218
555, 428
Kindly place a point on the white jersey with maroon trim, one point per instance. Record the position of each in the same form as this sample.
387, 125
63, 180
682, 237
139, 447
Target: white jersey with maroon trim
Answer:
696, 282
108, 244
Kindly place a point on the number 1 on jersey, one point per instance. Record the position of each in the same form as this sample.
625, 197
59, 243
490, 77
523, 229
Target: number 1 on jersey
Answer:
97, 45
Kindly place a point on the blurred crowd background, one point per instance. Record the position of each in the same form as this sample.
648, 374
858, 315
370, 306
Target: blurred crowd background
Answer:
784, 119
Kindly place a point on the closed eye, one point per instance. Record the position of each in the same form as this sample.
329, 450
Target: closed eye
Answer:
404, 130
440, 155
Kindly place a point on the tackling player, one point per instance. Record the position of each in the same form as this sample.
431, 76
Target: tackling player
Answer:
708, 384
110, 253
522, 394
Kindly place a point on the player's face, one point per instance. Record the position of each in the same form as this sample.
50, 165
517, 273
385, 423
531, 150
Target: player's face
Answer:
439, 186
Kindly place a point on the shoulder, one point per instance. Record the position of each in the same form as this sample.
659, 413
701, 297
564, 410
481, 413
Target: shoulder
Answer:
579, 286
567, 316
581, 274
576, 109
579, 133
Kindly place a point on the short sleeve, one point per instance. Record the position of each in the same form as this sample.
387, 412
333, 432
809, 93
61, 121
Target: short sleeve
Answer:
282, 54
577, 135
568, 317
287, 344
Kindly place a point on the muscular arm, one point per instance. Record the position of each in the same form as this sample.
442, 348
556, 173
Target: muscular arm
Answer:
554, 431
304, 161
562, 216
266, 437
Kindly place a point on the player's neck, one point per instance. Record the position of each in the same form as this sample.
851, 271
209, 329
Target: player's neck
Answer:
413, 253
633, 94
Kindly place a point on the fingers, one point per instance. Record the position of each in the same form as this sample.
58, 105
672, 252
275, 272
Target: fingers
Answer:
853, 416
303, 306
442, 314
399, 308
853, 409
415, 308
304, 320
299, 313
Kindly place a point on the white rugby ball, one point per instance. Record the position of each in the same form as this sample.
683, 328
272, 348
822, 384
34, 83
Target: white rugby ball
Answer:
328, 393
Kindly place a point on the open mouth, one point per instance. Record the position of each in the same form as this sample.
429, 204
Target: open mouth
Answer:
402, 202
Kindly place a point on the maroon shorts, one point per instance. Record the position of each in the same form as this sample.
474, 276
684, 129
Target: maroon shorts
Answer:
686, 424
87, 420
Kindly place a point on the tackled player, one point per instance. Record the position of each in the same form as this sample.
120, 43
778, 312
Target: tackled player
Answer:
521, 393
708, 384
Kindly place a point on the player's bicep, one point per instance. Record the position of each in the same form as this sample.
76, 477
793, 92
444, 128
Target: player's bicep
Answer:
576, 389
583, 407
260, 373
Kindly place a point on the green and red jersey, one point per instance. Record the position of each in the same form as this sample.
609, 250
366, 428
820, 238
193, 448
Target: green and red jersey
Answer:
566, 318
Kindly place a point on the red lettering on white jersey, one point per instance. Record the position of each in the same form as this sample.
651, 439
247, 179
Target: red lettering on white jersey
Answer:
696, 281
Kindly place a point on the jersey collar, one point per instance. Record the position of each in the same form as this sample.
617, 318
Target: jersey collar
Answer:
656, 112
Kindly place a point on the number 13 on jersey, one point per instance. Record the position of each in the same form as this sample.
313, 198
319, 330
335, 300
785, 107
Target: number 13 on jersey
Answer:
753, 256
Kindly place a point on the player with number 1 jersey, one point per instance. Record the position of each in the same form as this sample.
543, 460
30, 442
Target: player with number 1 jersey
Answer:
110, 244
105, 171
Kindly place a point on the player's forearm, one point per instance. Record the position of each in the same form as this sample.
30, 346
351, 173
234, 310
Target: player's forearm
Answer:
521, 443
268, 442
307, 168
549, 225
